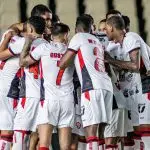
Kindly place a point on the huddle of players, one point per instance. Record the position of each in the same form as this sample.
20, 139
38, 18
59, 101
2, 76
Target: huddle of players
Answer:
42, 77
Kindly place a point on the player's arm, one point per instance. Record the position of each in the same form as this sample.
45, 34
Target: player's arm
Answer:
5, 40
25, 59
73, 48
17, 27
6, 54
133, 65
67, 59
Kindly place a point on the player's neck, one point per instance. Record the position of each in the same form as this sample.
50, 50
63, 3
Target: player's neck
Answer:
37, 35
58, 40
119, 37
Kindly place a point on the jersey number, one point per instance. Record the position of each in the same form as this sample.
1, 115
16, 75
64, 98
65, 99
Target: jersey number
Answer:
35, 70
60, 74
98, 64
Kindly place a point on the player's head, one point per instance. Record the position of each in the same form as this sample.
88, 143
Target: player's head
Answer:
35, 26
55, 19
102, 26
127, 23
44, 12
83, 24
60, 32
113, 12
93, 27
114, 26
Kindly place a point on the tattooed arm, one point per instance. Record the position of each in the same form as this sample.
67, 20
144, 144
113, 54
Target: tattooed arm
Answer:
133, 65
25, 59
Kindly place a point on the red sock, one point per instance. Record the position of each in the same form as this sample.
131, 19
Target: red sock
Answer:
43, 148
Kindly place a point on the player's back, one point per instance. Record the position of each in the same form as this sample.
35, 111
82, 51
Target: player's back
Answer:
56, 81
31, 75
10, 67
89, 63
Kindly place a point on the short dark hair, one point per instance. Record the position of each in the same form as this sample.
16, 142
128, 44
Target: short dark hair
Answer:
84, 22
116, 22
55, 19
103, 20
112, 12
38, 23
90, 17
59, 28
126, 20
39, 10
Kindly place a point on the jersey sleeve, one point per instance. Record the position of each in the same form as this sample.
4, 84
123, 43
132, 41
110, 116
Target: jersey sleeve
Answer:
75, 43
36, 52
132, 42
16, 45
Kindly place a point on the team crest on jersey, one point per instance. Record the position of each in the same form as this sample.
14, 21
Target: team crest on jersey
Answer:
129, 77
78, 125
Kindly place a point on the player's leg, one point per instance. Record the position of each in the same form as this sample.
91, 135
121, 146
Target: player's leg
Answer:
24, 122
33, 141
66, 120
7, 112
74, 141
6, 140
82, 143
98, 101
128, 141
117, 129
65, 138
46, 120
135, 120
78, 134
45, 136
101, 137
144, 119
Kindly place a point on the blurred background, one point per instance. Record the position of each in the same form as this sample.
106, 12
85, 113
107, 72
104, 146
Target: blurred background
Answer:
12, 11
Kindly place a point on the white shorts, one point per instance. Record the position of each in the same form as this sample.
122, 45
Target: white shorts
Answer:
26, 114
117, 127
144, 109
78, 126
57, 111
96, 107
7, 112
132, 105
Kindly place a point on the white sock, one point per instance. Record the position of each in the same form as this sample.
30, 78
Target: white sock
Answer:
146, 141
21, 140
111, 147
92, 143
101, 144
5, 145
137, 145
82, 146
119, 146
129, 148
102, 147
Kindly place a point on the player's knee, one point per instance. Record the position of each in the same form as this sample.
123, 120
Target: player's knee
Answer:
91, 130
65, 146
111, 141
73, 147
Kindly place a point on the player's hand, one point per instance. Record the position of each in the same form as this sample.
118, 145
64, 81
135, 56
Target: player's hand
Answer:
10, 34
148, 73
